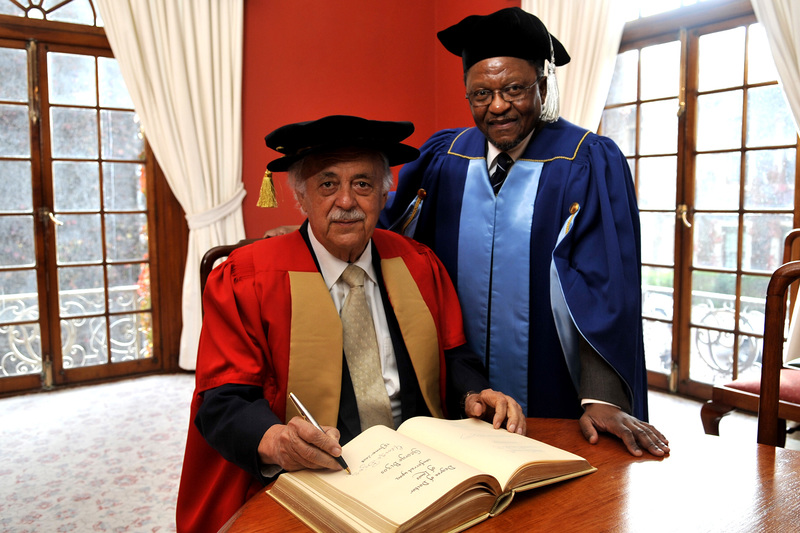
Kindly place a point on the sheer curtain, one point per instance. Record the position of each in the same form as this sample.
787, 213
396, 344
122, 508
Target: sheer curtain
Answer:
781, 20
182, 63
591, 33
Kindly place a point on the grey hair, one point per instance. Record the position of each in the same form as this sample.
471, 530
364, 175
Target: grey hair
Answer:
298, 183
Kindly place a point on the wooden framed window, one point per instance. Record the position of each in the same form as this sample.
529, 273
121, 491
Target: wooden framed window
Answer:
84, 293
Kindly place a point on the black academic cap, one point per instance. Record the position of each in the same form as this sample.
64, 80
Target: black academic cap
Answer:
295, 141
510, 32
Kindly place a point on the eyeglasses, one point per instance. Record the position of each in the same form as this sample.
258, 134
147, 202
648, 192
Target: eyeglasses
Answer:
511, 93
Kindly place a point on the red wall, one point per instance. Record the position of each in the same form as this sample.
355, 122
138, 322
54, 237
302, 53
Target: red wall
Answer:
304, 59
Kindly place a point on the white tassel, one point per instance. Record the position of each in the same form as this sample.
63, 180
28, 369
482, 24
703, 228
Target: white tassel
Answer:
550, 108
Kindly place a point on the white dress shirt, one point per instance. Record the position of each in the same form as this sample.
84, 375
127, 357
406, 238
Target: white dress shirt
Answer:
493, 151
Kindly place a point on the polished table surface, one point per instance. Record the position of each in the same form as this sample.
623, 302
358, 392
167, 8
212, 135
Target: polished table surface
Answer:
705, 484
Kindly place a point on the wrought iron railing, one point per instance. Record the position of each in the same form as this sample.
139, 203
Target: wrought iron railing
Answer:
84, 331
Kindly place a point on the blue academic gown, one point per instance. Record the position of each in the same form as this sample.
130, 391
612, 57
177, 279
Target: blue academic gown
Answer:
556, 255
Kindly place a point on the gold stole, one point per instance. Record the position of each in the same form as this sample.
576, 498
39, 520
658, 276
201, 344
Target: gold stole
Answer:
315, 351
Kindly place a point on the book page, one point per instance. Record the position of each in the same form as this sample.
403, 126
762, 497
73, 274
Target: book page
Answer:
475, 442
395, 476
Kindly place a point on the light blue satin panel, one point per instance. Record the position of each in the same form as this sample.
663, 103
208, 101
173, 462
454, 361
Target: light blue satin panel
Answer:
475, 237
501, 226
565, 324
511, 276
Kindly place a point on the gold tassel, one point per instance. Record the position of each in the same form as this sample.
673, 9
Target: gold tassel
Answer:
266, 197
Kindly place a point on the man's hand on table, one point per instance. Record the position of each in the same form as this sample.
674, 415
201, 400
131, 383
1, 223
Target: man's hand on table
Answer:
636, 435
298, 445
497, 406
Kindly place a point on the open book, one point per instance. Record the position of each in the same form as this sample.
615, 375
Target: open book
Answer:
429, 475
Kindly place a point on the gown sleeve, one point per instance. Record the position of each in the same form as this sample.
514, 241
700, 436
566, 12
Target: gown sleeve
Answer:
599, 264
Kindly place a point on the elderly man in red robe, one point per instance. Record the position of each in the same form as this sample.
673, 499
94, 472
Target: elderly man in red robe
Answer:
275, 322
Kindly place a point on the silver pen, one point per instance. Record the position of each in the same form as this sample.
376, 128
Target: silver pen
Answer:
307, 415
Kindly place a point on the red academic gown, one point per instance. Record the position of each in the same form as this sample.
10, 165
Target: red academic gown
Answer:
270, 322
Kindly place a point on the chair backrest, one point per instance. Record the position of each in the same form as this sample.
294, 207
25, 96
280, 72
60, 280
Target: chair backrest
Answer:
214, 254
771, 429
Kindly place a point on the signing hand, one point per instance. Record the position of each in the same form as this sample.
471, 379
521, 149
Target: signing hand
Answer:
497, 406
633, 432
299, 445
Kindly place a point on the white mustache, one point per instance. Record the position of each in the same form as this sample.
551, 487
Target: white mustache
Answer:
341, 215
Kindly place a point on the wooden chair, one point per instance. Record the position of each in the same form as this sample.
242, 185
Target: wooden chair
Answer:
210, 258
779, 391
776, 396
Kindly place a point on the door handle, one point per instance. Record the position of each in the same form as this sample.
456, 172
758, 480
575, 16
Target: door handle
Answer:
681, 211
53, 219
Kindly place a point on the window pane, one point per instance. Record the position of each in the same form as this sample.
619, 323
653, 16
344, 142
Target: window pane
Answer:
15, 138
620, 124
715, 240
129, 287
657, 345
717, 181
20, 350
712, 290
657, 182
657, 288
123, 187
131, 337
17, 246
13, 75
661, 70
753, 290
19, 300
762, 249
113, 92
79, 239
126, 237
769, 179
76, 12
74, 132
83, 342
712, 306
760, 65
721, 59
80, 291
122, 138
658, 237
719, 121
769, 119
623, 84
659, 128
7, 8
76, 186
72, 79
16, 180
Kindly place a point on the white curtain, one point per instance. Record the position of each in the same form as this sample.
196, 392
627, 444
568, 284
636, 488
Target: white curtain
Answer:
591, 31
182, 63
781, 20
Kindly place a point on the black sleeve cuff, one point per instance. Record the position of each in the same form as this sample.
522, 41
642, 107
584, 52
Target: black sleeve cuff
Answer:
465, 373
233, 419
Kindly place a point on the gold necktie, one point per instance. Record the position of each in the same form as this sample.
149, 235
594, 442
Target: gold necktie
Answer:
361, 352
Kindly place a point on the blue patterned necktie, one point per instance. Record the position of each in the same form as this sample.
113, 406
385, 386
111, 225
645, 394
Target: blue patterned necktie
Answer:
504, 163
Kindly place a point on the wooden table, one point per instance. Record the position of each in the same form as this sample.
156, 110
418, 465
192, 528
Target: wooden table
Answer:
705, 484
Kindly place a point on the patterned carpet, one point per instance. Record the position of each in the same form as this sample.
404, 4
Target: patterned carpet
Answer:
99, 458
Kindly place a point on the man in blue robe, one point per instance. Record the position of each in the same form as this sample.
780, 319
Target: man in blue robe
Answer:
545, 254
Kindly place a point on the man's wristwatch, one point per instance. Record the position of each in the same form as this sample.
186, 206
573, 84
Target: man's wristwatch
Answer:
464, 401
